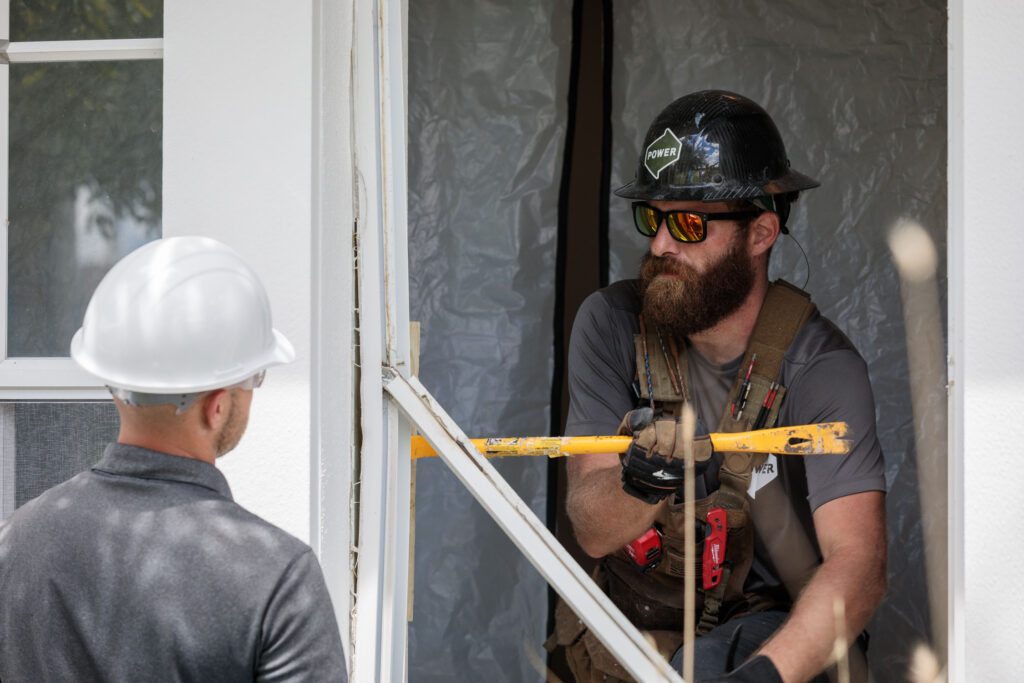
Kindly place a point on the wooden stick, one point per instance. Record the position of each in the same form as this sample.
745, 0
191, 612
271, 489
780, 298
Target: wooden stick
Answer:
917, 260
841, 648
689, 544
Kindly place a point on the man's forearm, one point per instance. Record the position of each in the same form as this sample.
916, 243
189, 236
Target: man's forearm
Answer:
604, 517
854, 573
804, 644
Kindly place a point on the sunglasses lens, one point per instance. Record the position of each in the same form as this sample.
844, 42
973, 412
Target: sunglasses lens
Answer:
646, 219
686, 226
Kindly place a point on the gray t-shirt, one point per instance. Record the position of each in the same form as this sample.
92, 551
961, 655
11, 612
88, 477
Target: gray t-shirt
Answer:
826, 381
145, 569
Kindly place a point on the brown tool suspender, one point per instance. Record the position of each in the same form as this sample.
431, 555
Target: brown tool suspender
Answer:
663, 372
784, 311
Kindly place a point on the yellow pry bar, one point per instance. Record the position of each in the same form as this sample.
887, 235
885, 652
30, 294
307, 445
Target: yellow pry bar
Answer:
818, 439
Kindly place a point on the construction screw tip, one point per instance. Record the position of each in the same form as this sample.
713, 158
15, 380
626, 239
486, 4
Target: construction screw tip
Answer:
913, 250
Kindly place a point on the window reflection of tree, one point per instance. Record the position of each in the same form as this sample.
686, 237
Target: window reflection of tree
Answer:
85, 157
699, 156
86, 19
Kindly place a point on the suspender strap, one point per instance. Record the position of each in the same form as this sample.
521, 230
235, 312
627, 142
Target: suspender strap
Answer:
663, 377
785, 310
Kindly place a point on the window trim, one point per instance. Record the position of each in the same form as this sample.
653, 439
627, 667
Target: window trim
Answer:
47, 379
37, 52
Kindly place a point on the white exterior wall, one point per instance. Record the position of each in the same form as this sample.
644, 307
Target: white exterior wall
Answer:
986, 249
245, 162
237, 122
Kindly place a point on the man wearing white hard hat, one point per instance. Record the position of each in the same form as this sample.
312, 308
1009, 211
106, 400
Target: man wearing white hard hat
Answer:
144, 568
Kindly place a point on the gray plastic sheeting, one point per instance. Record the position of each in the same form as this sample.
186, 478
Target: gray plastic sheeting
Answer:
858, 91
487, 113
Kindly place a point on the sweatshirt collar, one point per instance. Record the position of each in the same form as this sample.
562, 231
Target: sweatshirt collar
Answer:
133, 461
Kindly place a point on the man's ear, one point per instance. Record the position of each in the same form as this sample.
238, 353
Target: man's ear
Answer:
215, 408
763, 232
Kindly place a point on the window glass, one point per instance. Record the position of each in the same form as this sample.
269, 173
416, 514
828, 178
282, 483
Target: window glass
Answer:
84, 188
86, 19
55, 441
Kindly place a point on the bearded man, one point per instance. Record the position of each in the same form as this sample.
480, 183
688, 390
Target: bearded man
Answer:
704, 326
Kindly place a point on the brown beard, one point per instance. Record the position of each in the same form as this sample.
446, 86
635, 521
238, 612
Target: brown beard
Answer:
692, 302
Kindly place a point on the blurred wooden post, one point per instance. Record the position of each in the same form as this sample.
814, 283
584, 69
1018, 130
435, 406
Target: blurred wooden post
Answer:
689, 544
917, 260
414, 366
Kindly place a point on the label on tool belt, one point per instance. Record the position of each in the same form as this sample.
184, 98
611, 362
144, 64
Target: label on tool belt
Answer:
714, 548
645, 551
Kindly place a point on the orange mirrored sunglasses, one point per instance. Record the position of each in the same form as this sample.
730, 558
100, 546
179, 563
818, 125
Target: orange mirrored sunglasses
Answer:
684, 226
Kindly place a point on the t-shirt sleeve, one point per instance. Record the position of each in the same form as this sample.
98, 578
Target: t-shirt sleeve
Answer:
600, 368
835, 387
300, 638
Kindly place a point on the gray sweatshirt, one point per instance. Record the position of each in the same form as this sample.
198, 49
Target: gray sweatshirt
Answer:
145, 569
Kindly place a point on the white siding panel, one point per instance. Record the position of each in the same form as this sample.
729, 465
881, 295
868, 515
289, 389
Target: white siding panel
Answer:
237, 167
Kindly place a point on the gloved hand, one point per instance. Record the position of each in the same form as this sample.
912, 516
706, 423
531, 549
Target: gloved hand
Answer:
653, 466
757, 669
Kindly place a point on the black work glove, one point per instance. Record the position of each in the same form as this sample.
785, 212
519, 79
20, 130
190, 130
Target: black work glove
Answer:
757, 669
653, 466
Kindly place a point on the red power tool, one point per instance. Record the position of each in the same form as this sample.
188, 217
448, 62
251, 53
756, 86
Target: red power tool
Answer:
645, 551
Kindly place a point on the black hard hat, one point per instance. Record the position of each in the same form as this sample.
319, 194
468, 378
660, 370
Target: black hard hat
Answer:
713, 146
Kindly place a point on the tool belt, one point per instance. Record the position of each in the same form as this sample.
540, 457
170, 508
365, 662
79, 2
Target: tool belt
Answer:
653, 600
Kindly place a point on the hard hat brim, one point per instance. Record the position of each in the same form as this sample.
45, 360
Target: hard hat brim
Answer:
281, 353
792, 181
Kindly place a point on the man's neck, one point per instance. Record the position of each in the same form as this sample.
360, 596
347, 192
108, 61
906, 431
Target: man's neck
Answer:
161, 428
171, 445
728, 339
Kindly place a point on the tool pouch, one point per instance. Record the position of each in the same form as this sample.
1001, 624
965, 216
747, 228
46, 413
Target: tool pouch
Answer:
588, 658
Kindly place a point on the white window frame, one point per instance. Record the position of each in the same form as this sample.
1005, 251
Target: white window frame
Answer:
56, 378
389, 399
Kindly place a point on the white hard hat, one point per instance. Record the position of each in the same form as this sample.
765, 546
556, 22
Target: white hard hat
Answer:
179, 315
